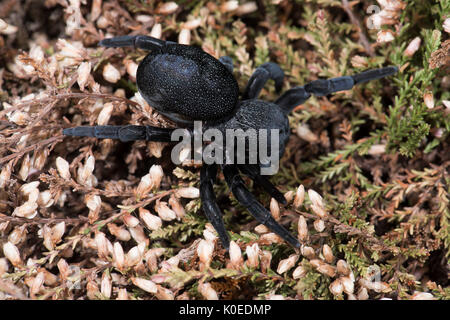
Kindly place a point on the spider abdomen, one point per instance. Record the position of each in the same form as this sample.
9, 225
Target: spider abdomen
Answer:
254, 115
187, 82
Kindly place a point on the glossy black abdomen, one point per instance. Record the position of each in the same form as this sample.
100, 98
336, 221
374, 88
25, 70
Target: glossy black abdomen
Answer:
187, 81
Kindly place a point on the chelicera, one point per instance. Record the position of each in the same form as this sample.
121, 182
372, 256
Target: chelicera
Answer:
186, 84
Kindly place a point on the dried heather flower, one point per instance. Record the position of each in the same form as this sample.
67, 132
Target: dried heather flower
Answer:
134, 255
5, 174
266, 260
102, 244
27, 210
316, 198
274, 209
176, 207
286, 264
422, 296
446, 25
252, 255
110, 73
323, 267
342, 267
229, 6
92, 290
413, 46
184, 37
261, 229
189, 192
93, 202
168, 8
336, 287
363, 294
131, 67
235, 252
8, 29
57, 231
377, 149
151, 221
122, 294
119, 232
25, 167
299, 196
384, 36
348, 284
319, 225
207, 291
271, 238
64, 269
3, 25
83, 71
302, 229
156, 174
105, 114
138, 234
37, 284
192, 24
210, 235
289, 196
299, 272
130, 220
429, 100
205, 250
247, 8
106, 285
18, 235
327, 253
164, 212
119, 256
144, 284
156, 31
307, 252
12, 254
303, 132
84, 173
63, 168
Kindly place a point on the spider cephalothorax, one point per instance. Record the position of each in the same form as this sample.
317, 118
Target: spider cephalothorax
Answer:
186, 84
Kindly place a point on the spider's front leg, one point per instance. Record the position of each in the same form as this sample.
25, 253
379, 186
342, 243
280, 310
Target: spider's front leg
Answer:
298, 95
212, 211
262, 74
237, 186
139, 41
122, 133
253, 172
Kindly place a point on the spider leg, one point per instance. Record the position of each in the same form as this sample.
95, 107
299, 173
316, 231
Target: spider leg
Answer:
322, 87
227, 62
253, 171
123, 133
212, 211
141, 42
237, 186
264, 72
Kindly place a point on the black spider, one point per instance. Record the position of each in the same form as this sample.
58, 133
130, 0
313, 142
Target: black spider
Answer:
185, 84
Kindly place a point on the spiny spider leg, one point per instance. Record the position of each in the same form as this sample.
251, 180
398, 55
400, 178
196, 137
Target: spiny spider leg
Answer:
264, 72
212, 211
246, 198
298, 95
141, 42
227, 62
253, 171
123, 133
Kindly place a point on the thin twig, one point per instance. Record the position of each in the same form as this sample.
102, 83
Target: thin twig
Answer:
355, 21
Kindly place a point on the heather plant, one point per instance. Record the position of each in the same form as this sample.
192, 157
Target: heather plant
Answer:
365, 172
